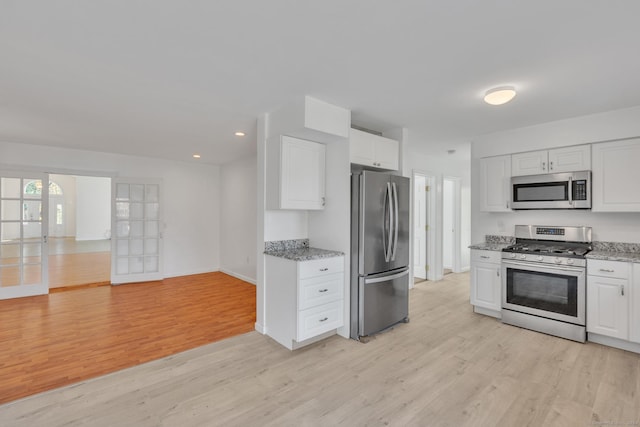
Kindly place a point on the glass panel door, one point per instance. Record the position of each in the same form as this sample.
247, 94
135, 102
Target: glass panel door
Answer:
23, 234
137, 239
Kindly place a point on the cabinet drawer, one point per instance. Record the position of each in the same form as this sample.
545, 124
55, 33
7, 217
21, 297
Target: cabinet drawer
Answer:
320, 267
320, 290
602, 268
486, 256
318, 320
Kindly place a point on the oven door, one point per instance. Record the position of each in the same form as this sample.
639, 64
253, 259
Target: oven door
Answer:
554, 292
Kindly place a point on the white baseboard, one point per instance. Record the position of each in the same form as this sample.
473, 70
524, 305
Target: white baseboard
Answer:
260, 328
613, 342
190, 272
238, 276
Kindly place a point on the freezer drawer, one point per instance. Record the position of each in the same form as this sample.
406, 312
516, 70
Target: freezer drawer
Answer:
383, 301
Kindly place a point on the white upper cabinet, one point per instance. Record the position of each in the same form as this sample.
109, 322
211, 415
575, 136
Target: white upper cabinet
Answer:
495, 182
616, 174
531, 163
296, 174
373, 150
566, 159
570, 159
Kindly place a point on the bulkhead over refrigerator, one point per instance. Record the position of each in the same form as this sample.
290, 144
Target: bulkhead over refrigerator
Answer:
379, 251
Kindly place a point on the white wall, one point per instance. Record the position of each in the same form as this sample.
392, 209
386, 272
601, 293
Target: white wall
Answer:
238, 198
191, 194
93, 208
620, 124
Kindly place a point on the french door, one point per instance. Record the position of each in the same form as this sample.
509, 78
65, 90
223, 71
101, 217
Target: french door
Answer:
136, 237
24, 216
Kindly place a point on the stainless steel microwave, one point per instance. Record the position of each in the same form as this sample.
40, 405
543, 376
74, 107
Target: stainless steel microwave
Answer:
570, 190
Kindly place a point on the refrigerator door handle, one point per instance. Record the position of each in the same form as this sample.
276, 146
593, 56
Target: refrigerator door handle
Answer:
386, 238
395, 227
386, 278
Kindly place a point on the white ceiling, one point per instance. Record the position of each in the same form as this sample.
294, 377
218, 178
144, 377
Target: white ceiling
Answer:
170, 78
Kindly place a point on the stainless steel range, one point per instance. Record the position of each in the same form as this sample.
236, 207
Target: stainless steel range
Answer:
543, 280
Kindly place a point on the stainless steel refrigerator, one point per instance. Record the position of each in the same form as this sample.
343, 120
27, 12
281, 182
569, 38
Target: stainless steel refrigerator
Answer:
379, 251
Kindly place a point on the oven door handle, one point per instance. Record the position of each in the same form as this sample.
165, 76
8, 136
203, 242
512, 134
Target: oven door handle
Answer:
543, 266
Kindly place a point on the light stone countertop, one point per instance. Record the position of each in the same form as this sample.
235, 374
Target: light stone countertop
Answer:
614, 256
489, 246
305, 254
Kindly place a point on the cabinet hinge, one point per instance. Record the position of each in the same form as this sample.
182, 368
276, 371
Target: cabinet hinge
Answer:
426, 228
426, 267
427, 188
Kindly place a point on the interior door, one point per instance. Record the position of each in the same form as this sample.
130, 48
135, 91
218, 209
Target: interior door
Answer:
420, 228
23, 234
136, 243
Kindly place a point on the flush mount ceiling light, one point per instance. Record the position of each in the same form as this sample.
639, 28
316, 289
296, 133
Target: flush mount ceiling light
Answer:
239, 133
499, 95
196, 156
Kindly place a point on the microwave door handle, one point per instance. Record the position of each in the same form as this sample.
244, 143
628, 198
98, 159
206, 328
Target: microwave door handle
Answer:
570, 191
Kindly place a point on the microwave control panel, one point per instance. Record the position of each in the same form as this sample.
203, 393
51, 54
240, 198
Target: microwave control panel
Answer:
580, 189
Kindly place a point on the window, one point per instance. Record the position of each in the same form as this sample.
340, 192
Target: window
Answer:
35, 188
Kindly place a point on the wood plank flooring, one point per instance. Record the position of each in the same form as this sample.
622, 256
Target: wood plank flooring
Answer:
58, 339
447, 367
68, 270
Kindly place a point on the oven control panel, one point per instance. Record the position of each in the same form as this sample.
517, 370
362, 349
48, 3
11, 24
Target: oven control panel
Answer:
550, 231
545, 259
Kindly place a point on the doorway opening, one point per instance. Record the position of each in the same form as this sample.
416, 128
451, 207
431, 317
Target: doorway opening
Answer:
79, 231
423, 217
450, 225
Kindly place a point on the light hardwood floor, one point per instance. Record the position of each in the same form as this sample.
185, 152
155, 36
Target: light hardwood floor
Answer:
448, 366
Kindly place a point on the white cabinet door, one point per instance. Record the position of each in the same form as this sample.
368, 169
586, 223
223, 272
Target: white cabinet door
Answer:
373, 150
361, 148
608, 306
485, 285
616, 174
386, 153
532, 163
634, 295
302, 174
570, 159
495, 182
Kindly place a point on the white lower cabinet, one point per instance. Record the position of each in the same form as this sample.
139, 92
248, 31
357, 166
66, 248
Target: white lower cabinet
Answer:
486, 283
613, 304
303, 299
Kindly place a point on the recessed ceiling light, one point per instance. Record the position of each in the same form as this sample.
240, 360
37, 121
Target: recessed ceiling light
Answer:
196, 156
239, 133
499, 95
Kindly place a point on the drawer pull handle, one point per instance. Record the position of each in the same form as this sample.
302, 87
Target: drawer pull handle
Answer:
484, 257
324, 269
324, 319
606, 270
322, 290
622, 290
